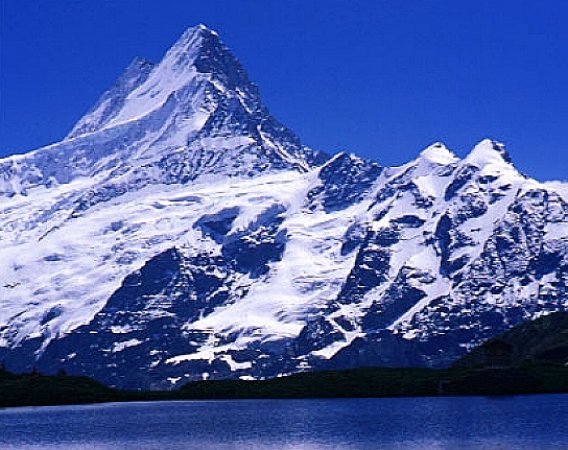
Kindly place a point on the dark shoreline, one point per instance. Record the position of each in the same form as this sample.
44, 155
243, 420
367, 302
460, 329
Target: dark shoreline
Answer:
43, 390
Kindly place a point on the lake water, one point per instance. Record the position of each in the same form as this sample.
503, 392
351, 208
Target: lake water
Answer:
529, 422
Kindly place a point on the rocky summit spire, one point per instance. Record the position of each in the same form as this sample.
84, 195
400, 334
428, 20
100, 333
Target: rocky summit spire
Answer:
194, 113
201, 48
196, 57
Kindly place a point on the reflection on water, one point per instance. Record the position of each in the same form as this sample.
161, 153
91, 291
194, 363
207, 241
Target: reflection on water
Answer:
532, 422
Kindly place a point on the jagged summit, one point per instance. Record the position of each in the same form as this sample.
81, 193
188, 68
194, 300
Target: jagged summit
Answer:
112, 101
194, 114
196, 58
189, 39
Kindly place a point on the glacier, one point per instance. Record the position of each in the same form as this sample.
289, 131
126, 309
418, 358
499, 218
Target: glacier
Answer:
180, 232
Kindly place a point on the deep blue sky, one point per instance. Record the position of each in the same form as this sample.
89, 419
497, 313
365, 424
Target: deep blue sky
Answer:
382, 79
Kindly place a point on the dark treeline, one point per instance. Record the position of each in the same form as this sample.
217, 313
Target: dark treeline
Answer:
37, 389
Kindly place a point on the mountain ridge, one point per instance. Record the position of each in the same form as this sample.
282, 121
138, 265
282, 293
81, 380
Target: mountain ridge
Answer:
182, 233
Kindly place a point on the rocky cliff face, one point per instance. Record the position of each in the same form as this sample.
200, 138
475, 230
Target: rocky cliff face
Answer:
180, 232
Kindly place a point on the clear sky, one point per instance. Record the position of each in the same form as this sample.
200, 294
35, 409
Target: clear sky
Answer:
382, 79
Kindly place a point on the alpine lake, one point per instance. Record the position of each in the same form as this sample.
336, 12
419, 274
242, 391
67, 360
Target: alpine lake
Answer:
427, 423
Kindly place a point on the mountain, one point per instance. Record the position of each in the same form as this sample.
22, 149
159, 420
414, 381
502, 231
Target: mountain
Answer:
180, 232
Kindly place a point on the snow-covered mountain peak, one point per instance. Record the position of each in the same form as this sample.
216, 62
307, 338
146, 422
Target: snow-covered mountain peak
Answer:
193, 32
194, 114
488, 152
197, 65
194, 43
438, 153
435, 160
183, 53
197, 57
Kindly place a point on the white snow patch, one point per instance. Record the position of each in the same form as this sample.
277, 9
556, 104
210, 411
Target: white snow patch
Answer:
120, 346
